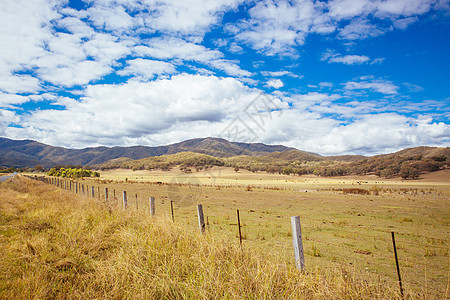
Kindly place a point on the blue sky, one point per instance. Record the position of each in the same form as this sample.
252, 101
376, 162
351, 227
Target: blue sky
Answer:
331, 77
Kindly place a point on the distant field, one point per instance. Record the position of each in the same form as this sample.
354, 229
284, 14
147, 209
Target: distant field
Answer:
227, 176
340, 229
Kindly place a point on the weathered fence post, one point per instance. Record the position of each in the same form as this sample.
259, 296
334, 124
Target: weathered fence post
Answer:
298, 244
124, 199
82, 188
106, 194
396, 262
201, 219
239, 226
137, 203
76, 187
93, 191
152, 206
98, 190
70, 185
171, 208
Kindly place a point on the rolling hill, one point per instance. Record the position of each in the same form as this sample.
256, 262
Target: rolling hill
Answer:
216, 152
28, 153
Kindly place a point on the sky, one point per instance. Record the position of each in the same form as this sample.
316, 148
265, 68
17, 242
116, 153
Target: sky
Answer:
330, 77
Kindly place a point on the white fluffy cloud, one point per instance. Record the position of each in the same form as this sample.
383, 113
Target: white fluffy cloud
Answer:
375, 134
188, 106
52, 44
370, 83
114, 113
146, 68
185, 17
346, 9
22, 41
275, 83
179, 50
8, 100
332, 57
277, 27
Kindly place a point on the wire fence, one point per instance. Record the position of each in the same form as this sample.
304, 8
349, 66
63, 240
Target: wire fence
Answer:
418, 253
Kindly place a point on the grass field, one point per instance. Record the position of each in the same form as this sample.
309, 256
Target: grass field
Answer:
346, 232
58, 245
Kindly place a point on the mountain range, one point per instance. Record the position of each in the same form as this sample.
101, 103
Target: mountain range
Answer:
28, 153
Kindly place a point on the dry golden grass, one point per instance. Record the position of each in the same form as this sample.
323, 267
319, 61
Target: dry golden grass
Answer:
58, 245
350, 231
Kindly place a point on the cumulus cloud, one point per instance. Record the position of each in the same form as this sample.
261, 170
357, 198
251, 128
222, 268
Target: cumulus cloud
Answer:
332, 57
359, 29
186, 17
278, 27
187, 106
24, 41
115, 113
66, 47
9, 100
179, 50
146, 68
374, 134
279, 74
275, 83
346, 9
366, 133
370, 83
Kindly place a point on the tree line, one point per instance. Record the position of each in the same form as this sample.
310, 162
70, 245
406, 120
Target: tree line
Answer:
72, 172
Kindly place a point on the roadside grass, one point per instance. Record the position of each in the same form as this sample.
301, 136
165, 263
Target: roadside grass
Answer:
340, 231
58, 245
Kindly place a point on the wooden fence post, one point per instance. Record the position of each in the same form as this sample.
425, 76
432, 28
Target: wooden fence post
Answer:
93, 191
137, 203
239, 226
106, 194
396, 262
298, 244
76, 187
124, 199
171, 208
152, 206
201, 219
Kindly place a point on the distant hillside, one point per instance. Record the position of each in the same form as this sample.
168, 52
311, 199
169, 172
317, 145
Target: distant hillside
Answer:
425, 152
408, 163
184, 160
27, 153
205, 152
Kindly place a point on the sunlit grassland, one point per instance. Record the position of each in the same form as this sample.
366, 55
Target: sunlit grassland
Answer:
346, 231
56, 245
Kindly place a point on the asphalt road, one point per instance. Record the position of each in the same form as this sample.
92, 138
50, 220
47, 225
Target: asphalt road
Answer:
6, 177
